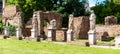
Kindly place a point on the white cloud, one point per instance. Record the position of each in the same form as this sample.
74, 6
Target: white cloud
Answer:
92, 3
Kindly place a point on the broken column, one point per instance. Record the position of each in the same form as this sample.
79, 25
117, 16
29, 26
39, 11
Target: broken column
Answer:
92, 31
52, 30
70, 29
3, 5
19, 30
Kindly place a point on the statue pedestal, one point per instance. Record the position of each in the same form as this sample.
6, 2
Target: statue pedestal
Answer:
92, 37
69, 35
33, 33
6, 33
19, 33
51, 34
117, 41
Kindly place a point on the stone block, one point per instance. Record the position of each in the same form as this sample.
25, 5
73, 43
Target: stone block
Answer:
92, 37
69, 35
117, 41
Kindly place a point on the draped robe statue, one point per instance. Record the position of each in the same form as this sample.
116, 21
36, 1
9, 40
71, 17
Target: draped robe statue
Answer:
92, 20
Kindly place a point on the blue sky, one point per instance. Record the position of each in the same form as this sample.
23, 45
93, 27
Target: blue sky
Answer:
93, 2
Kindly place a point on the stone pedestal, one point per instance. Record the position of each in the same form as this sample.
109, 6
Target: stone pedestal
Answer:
19, 33
92, 37
6, 33
117, 41
51, 34
33, 33
69, 35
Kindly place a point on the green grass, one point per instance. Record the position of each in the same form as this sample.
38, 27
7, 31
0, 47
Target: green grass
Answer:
9, 46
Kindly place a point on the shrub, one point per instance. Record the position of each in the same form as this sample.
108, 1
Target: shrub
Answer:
1, 26
12, 29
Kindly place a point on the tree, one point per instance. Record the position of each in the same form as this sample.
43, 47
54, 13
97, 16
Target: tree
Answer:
116, 1
106, 8
64, 7
0, 1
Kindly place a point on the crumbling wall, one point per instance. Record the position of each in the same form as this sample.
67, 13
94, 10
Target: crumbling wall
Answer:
81, 27
48, 16
106, 31
11, 15
110, 20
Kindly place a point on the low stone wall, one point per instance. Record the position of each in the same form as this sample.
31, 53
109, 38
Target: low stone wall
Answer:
106, 31
60, 33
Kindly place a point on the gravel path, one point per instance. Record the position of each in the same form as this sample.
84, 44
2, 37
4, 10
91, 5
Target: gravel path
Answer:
112, 47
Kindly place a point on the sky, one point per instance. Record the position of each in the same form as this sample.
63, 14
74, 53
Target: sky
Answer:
93, 2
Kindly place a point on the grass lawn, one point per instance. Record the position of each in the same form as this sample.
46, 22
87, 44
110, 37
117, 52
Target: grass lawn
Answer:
9, 46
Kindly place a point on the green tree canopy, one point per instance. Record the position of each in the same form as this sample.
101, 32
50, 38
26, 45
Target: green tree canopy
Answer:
0, 1
64, 7
106, 8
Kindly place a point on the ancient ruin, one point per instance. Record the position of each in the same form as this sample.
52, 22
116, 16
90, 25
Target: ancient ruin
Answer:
11, 18
110, 20
48, 16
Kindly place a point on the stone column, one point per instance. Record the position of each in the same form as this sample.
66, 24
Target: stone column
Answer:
69, 35
92, 31
19, 30
52, 30
6, 33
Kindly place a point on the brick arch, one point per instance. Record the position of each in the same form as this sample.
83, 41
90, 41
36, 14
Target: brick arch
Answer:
48, 16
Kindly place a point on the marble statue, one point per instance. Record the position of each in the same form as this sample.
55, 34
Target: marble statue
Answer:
92, 20
53, 23
70, 26
34, 21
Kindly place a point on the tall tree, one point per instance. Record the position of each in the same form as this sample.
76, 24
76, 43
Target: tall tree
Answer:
64, 7
106, 8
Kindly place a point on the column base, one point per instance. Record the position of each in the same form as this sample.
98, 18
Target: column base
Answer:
92, 37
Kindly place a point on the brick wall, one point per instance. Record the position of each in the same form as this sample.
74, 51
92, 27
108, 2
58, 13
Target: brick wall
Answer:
10, 11
81, 27
107, 30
